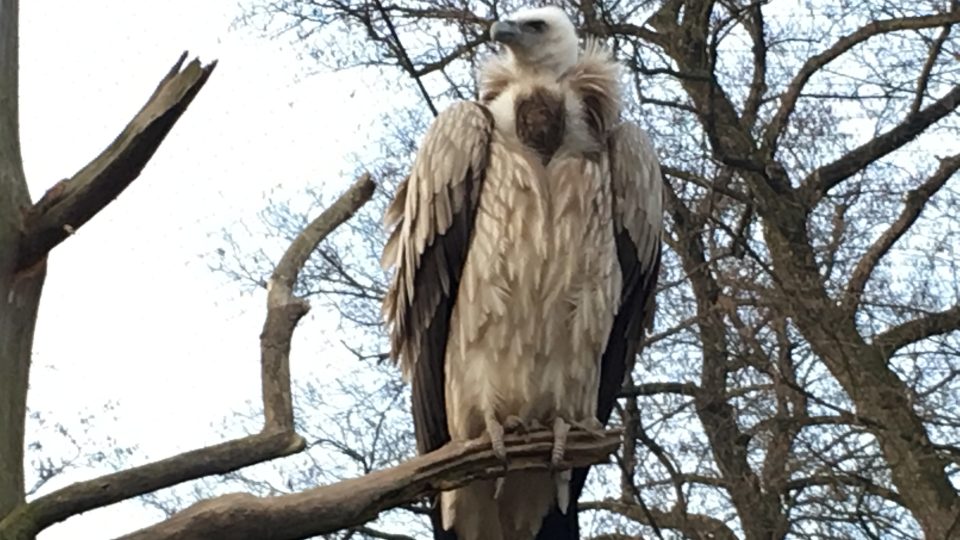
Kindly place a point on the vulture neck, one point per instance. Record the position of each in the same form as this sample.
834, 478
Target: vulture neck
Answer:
553, 66
507, 86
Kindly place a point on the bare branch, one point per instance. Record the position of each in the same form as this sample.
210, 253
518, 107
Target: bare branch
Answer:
404, 58
923, 81
815, 63
933, 324
915, 201
758, 85
358, 500
848, 480
820, 181
284, 310
70, 203
29, 519
654, 388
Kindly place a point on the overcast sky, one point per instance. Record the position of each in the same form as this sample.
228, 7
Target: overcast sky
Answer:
131, 313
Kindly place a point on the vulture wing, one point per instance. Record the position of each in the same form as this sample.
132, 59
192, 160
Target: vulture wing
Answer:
433, 215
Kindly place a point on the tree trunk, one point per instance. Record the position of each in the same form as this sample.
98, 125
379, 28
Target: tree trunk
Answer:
19, 291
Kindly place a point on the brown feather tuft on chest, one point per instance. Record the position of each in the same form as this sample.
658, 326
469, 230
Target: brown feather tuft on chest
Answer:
540, 121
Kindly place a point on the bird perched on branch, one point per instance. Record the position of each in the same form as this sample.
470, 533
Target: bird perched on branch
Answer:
526, 245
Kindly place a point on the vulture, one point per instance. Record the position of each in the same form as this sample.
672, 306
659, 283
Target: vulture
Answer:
525, 249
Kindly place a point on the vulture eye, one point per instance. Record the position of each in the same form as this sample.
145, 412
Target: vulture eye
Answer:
536, 26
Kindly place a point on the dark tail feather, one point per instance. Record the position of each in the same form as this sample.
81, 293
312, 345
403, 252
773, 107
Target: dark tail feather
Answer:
558, 526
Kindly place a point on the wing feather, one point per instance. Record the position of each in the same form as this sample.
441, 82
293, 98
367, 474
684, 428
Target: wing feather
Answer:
432, 217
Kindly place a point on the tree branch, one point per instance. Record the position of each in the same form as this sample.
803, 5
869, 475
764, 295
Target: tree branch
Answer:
284, 310
820, 181
691, 525
277, 439
70, 203
29, 519
789, 100
758, 85
923, 81
932, 324
915, 201
654, 388
355, 501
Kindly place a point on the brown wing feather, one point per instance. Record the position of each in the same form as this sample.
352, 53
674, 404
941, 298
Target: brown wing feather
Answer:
433, 215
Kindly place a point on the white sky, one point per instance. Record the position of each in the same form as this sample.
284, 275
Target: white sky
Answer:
130, 312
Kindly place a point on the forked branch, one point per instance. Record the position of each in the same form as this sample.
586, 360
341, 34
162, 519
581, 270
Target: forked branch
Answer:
788, 101
915, 201
825, 178
927, 326
72, 202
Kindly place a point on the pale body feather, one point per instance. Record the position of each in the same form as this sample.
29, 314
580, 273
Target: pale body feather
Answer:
526, 335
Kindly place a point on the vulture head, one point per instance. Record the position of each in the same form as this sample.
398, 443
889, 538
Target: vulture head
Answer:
539, 39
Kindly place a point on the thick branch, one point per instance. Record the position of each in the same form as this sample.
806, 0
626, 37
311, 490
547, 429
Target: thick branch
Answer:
358, 500
284, 310
27, 520
933, 324
816, 63
820, 181
915, 201
71, 203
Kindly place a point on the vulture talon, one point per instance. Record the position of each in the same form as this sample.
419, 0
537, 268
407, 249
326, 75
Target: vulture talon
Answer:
560, 430
495, 432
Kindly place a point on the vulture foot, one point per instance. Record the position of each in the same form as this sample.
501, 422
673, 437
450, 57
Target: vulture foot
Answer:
560, 430
495, 432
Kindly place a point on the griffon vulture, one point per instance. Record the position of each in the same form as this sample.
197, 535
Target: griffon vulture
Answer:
526, 245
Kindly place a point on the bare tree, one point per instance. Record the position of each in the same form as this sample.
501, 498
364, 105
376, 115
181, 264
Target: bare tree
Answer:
802, 380
30, 230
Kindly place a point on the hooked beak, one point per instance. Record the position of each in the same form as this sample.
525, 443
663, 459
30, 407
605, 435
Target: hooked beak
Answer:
506, 32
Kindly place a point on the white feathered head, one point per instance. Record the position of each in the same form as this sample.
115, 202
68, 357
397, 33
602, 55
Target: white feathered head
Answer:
541, 39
